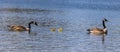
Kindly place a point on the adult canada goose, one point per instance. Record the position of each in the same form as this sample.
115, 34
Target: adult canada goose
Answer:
22, 28
99, 30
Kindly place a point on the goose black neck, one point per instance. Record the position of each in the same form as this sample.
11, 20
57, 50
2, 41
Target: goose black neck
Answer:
103, 38
104, 24
29, 26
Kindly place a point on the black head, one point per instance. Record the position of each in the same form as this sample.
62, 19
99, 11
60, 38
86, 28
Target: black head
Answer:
105, 20
33, 22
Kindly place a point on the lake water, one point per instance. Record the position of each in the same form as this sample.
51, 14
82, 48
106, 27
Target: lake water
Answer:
74, 16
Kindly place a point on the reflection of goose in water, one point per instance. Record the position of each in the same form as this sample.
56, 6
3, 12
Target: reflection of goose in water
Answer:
99, 30
22, 28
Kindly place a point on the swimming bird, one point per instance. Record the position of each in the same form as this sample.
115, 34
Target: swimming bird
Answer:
99, 30
22, 28
53, 29
60, 29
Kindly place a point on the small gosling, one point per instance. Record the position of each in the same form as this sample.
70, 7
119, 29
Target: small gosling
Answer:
53, 29
60, 29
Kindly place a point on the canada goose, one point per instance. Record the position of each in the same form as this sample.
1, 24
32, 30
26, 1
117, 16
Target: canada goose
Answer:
99, 30
22, 28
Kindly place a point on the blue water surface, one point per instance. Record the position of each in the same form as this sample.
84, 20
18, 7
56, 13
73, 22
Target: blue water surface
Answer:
74, 16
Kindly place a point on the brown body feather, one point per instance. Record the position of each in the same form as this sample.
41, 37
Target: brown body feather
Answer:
97, 31
18, 28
